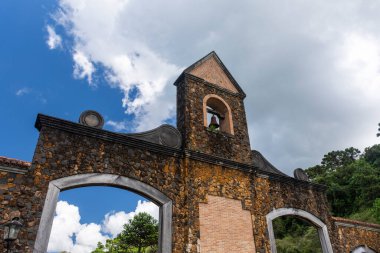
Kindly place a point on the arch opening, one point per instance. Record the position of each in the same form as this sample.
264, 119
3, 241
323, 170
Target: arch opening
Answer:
215, 106
95, 179
294, 234
93, 218
303, 215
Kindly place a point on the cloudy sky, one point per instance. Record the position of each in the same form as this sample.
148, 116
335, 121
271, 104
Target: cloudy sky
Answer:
310, 69
88, 215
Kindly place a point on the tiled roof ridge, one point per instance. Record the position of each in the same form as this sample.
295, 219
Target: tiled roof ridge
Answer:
13, 162
356, 222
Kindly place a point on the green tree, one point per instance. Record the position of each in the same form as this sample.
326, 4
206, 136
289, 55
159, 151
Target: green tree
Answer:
372, 155
140, 234
294, 235
353, 181
376, 209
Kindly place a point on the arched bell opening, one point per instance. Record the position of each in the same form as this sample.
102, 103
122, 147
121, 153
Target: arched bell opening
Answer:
217, 114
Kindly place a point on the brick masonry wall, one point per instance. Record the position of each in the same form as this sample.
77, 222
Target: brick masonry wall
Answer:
225, 226
190, 122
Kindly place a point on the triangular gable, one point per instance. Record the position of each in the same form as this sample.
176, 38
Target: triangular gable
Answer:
212, 70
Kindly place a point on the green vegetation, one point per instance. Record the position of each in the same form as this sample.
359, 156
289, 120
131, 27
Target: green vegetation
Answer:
353, 181
140, 235
294, 235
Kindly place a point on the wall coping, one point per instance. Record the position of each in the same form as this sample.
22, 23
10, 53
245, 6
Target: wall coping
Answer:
356, 224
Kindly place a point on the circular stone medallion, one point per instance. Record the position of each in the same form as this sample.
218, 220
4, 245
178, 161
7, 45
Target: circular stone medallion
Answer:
92, 119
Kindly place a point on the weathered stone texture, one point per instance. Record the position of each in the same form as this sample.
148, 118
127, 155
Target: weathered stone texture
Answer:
209, 166
190, 122
186, 181
352, 234
60, 154
15, 201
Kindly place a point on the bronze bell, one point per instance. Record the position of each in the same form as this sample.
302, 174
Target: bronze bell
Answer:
214, 123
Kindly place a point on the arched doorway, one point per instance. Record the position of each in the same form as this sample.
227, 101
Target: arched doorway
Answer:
321, 227
58, 185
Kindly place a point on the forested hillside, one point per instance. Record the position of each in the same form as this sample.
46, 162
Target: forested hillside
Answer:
353, 181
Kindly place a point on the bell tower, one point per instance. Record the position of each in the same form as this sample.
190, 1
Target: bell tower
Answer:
210, 111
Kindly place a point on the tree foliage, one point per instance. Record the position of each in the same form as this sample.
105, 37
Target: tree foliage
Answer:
139, 235
294, 235
353, 181
353, 191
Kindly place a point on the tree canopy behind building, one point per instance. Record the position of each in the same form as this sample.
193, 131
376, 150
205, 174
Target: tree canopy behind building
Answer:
139, 235
353, 181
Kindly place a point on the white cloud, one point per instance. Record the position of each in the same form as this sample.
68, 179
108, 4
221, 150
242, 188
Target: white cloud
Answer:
147, 207
22, 91
113, 222
68, 234
117, 126
54, 40
87, 238
310, 69
83, 67
132, 66
65, 224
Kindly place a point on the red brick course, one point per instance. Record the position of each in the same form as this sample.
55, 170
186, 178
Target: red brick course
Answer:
225, 226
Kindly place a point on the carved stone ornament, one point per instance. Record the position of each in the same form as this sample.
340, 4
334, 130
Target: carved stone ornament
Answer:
92, 119
300, 174
166, 135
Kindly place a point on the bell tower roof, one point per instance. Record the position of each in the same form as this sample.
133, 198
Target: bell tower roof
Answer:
212, 70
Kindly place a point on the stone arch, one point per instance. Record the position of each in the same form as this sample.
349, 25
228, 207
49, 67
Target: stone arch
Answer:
223, 108
322, 229
82, 180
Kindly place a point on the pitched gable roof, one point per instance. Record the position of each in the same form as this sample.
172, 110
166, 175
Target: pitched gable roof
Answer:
211, 69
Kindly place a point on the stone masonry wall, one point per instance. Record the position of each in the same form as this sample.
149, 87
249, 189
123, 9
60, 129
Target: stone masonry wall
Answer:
352, 234
190, 94
275, 194
16, 200
60, 154
186, 181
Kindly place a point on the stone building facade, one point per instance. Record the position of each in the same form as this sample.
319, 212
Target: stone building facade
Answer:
215, 193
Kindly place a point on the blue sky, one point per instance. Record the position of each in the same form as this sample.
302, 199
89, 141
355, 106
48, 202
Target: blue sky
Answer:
94, 202
43, 78
310, 70
35, 79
